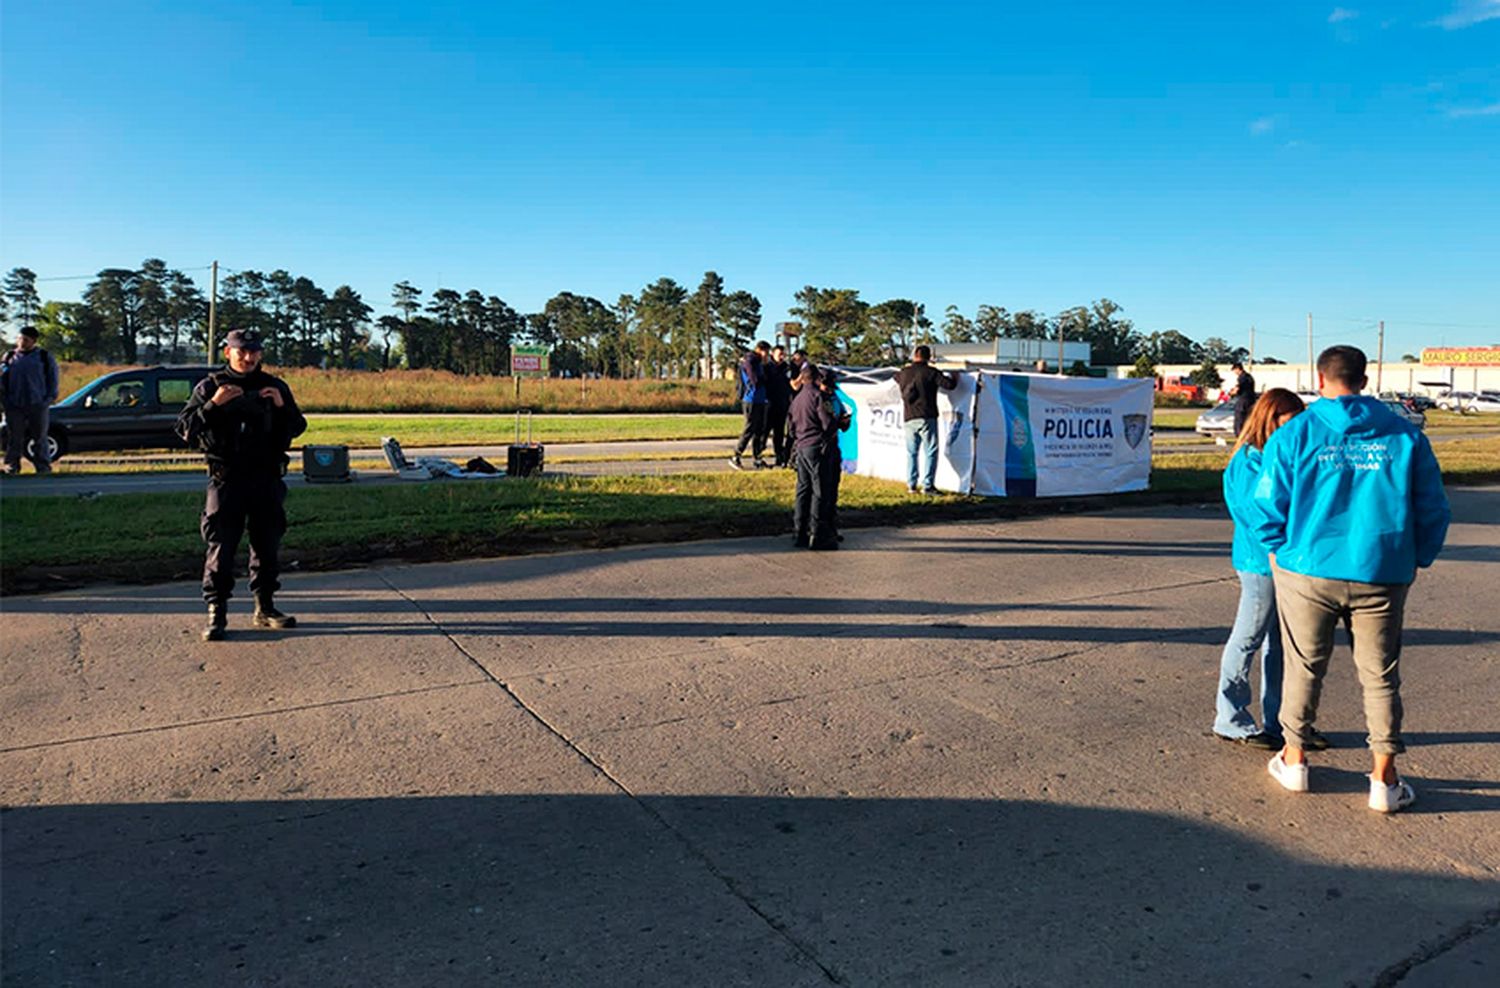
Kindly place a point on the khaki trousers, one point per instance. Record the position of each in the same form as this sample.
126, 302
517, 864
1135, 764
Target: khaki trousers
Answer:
1310, 608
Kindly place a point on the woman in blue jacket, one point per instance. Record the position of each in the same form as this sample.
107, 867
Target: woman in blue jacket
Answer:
1255, 625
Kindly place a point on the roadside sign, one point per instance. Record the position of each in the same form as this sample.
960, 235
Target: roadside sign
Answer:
1472, 356
530, 361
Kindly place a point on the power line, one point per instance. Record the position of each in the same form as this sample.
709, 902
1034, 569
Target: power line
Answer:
90, 277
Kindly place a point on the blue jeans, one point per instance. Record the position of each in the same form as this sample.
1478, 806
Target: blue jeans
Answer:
921, 433
1255, 630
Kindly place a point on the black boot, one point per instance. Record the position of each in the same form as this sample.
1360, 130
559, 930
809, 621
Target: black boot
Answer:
267, 616
218, 620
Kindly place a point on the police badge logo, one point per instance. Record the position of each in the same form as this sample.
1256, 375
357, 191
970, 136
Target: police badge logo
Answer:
1020, 434
1135, 429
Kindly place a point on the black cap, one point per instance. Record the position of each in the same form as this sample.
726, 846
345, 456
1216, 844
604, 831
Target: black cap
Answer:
243, 339
29, 331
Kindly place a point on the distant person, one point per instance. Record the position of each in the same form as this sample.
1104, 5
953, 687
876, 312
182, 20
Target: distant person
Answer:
28, 378
812, 423
794, 378
1243, 393
755, 400
794, 368
831, 463
244, 420
1255, 625
1351, 505
919, 382
779, 401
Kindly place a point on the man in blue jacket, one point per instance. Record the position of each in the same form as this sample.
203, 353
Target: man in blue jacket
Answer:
28, 379
1353, 505
756, 401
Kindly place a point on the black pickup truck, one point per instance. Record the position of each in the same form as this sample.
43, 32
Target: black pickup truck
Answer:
125, 409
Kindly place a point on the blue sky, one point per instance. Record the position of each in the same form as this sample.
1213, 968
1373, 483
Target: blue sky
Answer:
1207, 166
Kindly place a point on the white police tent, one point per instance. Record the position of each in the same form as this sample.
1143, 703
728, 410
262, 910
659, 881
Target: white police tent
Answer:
1011, 435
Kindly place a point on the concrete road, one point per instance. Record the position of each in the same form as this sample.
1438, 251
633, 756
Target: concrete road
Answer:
968, 754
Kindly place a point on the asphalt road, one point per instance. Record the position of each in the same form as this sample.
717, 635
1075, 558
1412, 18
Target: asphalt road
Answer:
968, 754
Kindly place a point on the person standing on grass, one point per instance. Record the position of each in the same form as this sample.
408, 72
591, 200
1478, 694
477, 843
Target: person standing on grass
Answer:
756, 402
1244, 395
831, 463
1351, 504
779, 395
244, 420
28, 378
1255, 626
812, 422
919, 382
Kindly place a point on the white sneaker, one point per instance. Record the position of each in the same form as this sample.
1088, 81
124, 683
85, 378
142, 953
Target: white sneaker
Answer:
1390, 799
1291, 777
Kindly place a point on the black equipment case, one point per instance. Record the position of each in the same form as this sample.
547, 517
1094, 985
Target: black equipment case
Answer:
325, 464
524, 459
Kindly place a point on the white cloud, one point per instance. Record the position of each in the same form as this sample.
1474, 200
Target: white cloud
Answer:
1262, 126
1458, 112
1468, 13
1341, 14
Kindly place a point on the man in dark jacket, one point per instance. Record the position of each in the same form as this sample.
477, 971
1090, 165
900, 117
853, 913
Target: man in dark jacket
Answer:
831, 464
244, 420
28, 377
779, 401
756, 402
812, 424
919, 382
1244, 395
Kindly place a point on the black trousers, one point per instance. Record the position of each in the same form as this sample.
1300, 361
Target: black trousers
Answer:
754, 434
1241, 413
831, 468
776, 427
808, 499
255, 500
23, 425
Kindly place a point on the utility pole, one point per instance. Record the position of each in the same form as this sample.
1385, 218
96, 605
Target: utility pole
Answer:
1252, 345
1312, 368
1061, 332
1380, 358
213, 309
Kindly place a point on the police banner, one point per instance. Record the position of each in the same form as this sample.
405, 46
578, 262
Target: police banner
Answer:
875, 445
1042, 436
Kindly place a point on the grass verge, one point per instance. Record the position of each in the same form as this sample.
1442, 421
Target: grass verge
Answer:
55, 542
366, 431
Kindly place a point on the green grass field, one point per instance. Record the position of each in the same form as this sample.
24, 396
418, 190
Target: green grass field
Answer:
365, 431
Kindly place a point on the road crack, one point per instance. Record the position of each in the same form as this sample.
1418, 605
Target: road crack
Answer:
700, 854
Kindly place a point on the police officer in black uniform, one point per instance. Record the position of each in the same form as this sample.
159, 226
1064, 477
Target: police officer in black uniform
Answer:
244, 420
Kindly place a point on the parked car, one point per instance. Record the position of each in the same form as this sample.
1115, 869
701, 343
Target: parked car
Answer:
1405, 411
1454, 401
126, 409
1416, 402
1217, 422
1483, 402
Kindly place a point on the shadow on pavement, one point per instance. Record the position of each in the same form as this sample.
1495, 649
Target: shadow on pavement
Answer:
577, 890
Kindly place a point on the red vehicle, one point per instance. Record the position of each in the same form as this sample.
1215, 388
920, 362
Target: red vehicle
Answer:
1180, 386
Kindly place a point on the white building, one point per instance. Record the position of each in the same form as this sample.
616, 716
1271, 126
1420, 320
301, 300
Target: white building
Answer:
1010, 353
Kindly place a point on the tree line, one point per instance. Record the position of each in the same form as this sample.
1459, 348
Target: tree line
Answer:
154, 312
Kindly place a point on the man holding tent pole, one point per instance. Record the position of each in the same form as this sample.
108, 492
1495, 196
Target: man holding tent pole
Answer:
919, 382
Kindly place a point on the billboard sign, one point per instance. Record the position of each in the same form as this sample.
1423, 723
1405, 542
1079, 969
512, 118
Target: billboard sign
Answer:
1461, 356
530, 361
